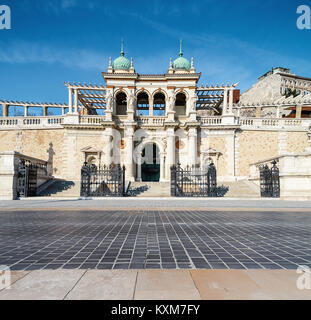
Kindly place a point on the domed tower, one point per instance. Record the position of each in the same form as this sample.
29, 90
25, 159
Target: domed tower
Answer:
181, 64
121, 64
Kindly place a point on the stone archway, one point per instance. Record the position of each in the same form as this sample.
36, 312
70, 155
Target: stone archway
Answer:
150, 162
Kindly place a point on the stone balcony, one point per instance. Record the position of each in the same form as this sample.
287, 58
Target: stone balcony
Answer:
57, 122
7, 123
275, 123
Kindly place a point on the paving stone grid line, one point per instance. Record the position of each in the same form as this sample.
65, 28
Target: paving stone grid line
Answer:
184, 239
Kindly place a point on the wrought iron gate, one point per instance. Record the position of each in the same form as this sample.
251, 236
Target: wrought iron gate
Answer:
27, 179
269, 181
97, 181
193, 182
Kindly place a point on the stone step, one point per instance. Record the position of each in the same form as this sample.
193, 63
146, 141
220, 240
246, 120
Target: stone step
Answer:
149, 189
62, 188
236, 189
241, 189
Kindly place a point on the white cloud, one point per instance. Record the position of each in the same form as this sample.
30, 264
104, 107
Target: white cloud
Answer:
27, 52
65, 4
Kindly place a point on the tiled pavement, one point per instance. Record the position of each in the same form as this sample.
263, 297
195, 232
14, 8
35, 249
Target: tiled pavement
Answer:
130, 239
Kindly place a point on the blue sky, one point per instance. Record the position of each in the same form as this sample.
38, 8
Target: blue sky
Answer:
52, 41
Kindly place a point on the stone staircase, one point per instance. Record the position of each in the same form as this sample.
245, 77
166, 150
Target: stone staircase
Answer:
61, 188
241, 189
231, 189
149, 189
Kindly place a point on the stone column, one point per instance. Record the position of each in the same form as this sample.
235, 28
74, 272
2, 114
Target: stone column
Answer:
138, 161
192, 146
70, 101
108, 146
298, 111
129, 172
162, 167
5, 108
63, 110
231, 101
75, 101
45, 108
170, 152
150, 107
230, 146
225, 104
258, 112
8, 175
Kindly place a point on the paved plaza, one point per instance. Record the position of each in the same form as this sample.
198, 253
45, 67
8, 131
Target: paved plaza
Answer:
34, 239
153, 285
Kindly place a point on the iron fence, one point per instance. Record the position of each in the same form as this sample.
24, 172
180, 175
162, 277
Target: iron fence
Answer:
269, 181
27, 173
193, 182
102, 181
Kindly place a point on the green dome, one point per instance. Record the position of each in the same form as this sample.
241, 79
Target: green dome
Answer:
121, 63
181, 63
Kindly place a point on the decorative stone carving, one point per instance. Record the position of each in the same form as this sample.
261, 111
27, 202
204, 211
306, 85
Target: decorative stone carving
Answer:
171, 103
193, 103
131, 102
164, 142
109, 101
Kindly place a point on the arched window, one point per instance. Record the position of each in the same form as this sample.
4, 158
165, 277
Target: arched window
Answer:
142, 104
159, 104
180, 104
121, 104
91, 160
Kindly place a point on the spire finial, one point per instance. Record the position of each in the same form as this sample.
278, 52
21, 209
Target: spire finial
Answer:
171, 63
110, 65
122, 47
180, 52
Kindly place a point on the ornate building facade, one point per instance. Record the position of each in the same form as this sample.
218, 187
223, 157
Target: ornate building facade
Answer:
148, 122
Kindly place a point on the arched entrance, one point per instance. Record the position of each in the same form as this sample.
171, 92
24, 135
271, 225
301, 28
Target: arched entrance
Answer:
150, 167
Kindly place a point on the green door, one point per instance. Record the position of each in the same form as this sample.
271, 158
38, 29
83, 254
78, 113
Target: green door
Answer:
150, 172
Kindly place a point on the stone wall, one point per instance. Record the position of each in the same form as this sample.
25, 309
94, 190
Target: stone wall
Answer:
63, 147
219, 144
296, 142
47, 145
255, 146
266, 89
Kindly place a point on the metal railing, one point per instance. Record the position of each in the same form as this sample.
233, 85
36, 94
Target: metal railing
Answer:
269, 181
28, 172
193, 182
102, 181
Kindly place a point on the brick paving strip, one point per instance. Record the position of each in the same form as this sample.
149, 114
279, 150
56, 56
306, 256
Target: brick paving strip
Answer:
154, 285
154, 239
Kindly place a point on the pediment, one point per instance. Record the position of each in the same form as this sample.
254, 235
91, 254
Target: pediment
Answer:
90, 149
